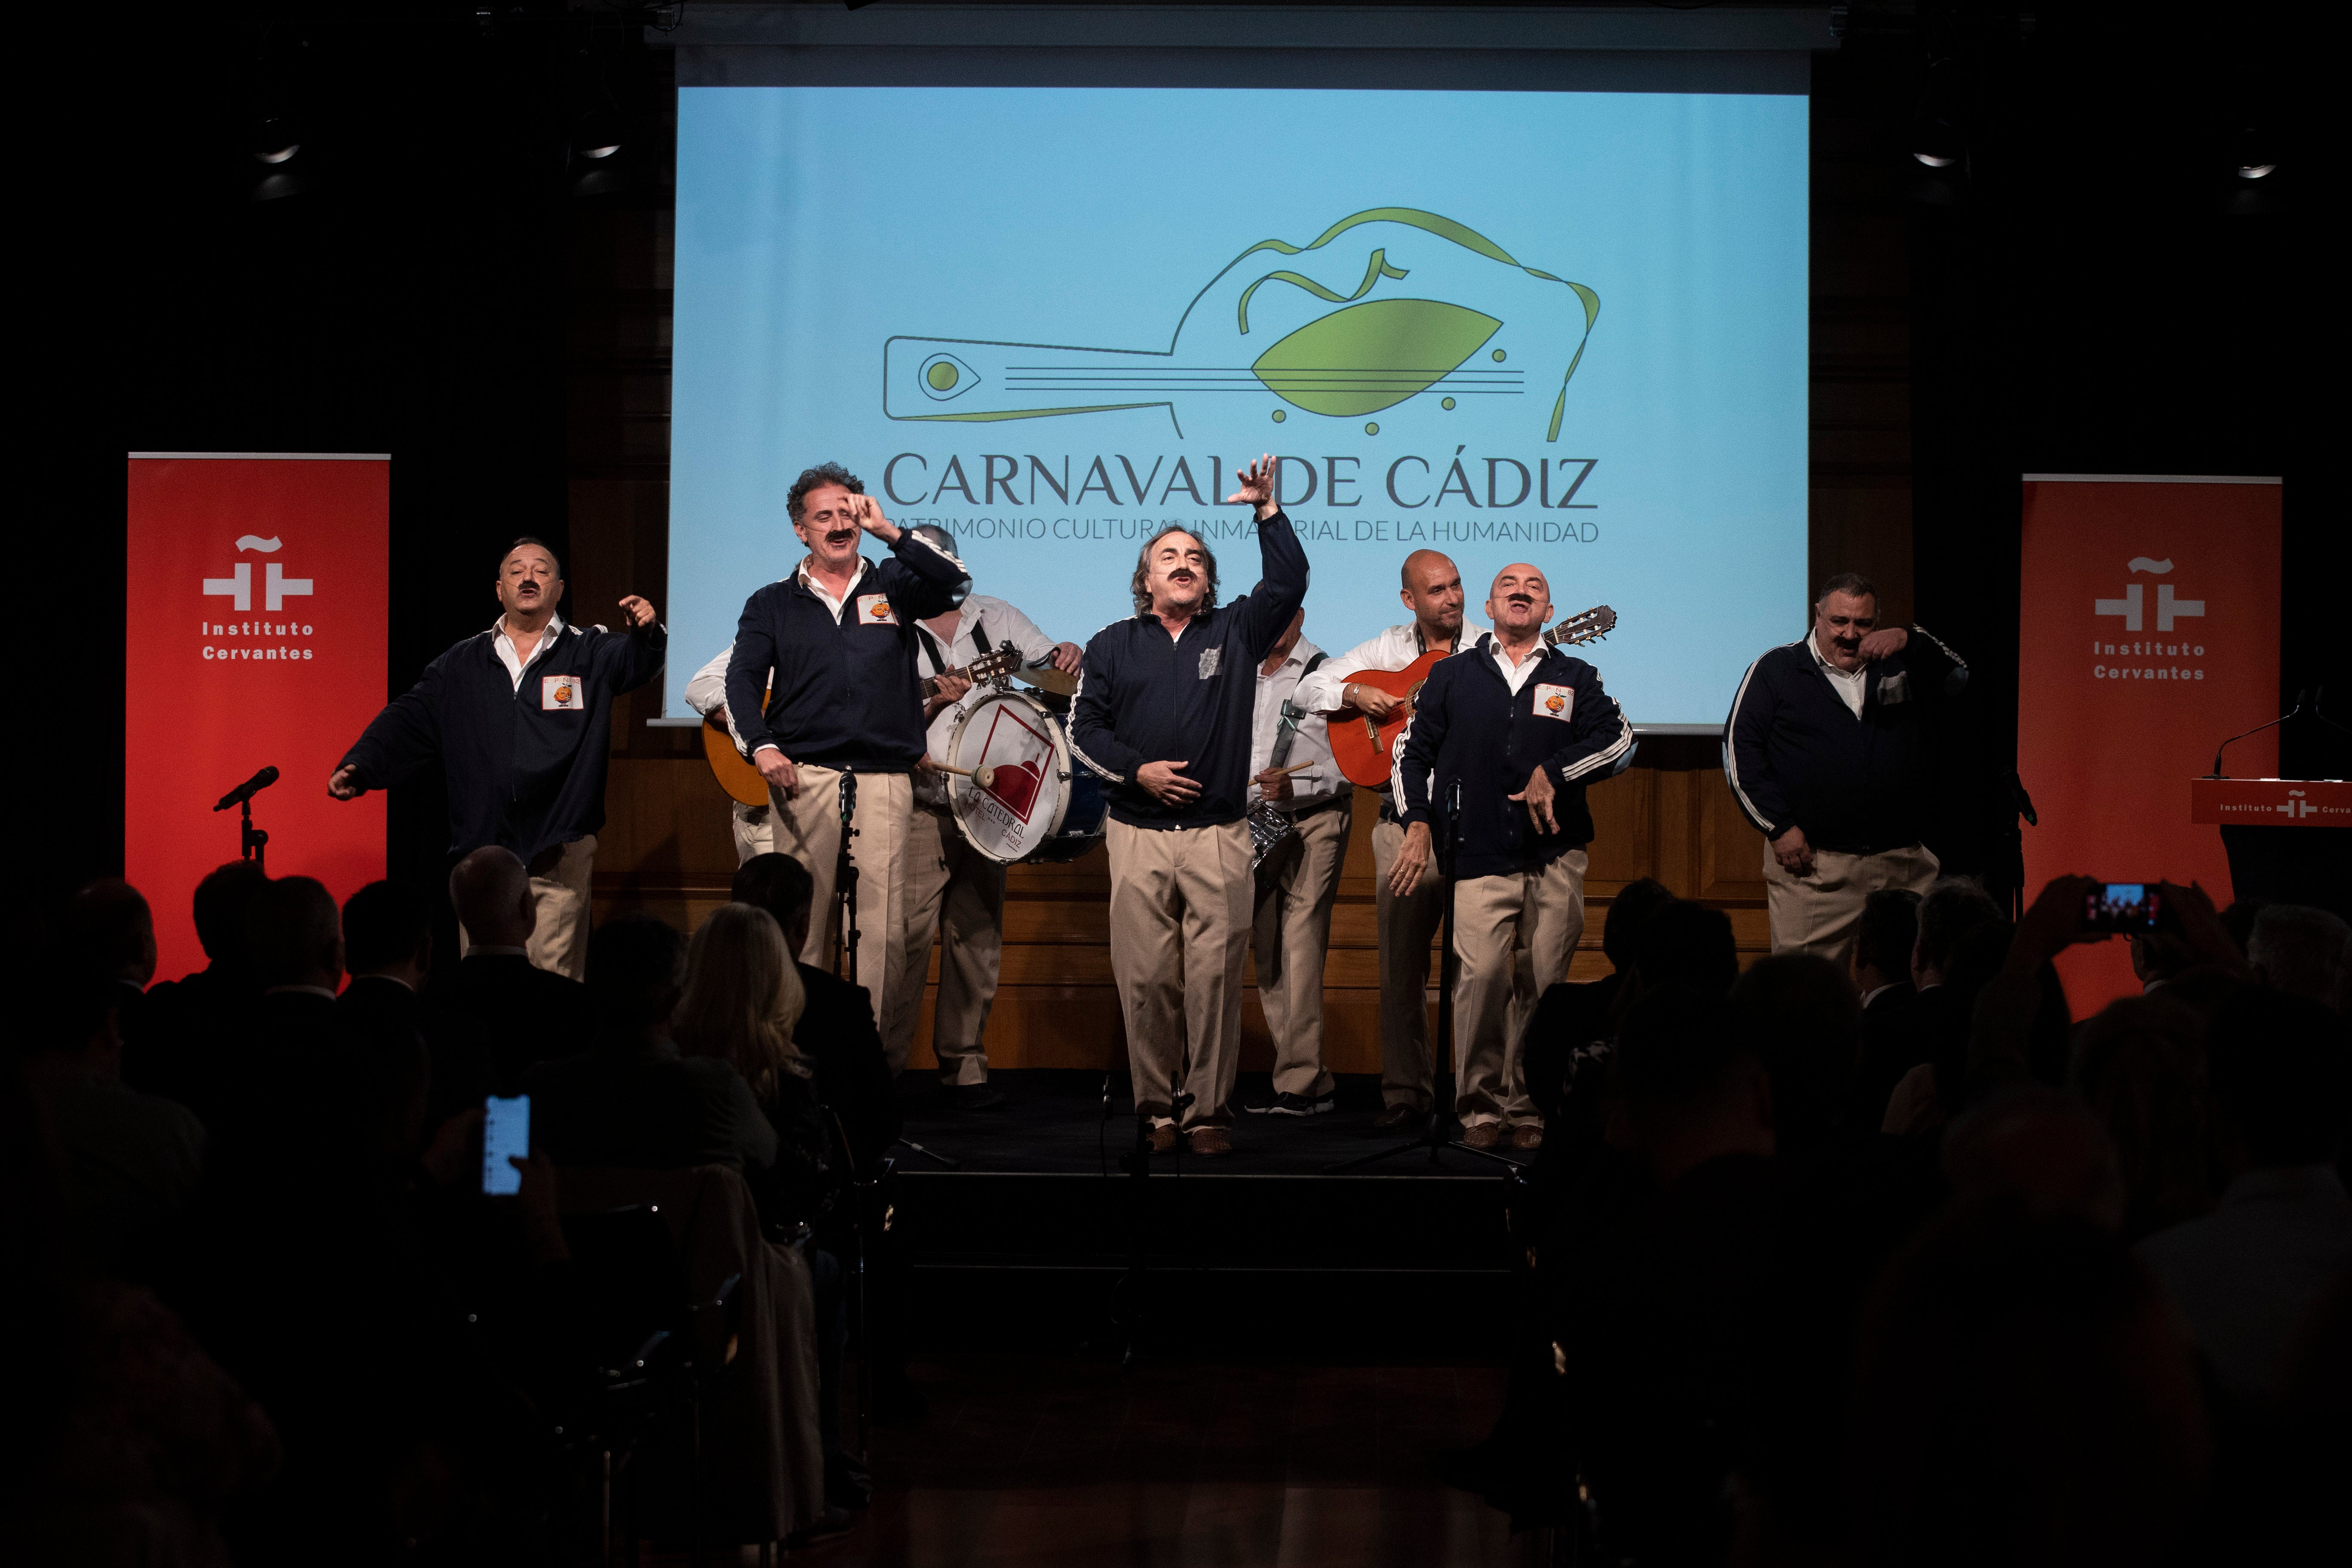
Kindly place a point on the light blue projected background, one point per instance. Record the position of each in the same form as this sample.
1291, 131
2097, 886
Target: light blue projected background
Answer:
1053, 318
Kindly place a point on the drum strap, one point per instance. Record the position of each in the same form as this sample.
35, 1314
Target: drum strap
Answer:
1287, 731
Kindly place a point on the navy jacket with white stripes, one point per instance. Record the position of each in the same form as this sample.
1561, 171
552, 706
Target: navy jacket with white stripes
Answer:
1798, 756
1145, 697
1468, 725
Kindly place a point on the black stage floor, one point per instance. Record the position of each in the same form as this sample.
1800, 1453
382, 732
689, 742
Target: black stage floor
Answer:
1037, 1235
1052, 1123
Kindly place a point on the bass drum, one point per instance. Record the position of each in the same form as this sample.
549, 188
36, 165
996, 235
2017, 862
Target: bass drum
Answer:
1040, 805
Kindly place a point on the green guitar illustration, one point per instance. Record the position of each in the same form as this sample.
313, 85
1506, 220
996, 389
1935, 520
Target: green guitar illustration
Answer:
1372, 354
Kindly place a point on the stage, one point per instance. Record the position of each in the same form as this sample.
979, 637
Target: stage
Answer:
1034, 1236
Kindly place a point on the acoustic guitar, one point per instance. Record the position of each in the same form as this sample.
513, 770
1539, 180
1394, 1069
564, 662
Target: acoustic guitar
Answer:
739, 779
1361, 746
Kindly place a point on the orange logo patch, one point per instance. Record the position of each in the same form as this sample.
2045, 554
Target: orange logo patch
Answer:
1554, 703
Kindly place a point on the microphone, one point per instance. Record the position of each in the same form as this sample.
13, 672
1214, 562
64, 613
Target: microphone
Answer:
2300, 698
248, 789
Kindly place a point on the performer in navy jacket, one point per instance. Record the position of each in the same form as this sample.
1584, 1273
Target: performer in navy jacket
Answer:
1518, 729
1827, 754
520, 716
1165, 709
822, 683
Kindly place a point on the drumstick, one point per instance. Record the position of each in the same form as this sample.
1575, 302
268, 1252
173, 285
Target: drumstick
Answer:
1292, 768
984, 777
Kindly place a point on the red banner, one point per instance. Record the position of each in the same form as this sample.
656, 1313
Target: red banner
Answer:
258, 602
2149, 633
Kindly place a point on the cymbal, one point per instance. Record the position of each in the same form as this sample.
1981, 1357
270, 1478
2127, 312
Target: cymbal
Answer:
1045, 677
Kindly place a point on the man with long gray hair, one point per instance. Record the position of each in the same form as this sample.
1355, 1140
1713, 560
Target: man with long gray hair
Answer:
1826, 750
1164, 710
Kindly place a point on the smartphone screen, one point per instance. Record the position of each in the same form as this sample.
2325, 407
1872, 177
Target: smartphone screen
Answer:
506, 1130
2123, 907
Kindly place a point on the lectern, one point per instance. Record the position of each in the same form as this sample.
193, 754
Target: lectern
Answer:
2287, 839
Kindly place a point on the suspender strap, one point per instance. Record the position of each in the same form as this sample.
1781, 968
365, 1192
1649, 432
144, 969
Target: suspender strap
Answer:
1287, 730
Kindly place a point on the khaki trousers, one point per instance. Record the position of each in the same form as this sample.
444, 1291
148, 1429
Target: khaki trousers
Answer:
1513, 936
1822, 912
1180, 922
755, 830
959, 892
560, 876
807, 828
1291, 934
1406, 927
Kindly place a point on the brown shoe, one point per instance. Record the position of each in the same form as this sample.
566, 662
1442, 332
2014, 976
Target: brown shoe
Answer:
1163, 1140
1210, 1140
1401, 1118
1485, 1135
1527, 1137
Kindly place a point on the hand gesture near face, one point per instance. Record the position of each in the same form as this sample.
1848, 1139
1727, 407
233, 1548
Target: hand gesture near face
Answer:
868, 513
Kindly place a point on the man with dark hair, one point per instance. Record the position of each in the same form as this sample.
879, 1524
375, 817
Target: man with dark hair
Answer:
1686, 950
176, 1038
2245, 1274
631, 1099
1504, 739
836, 1030
1827, 753
1884, 937
388, 947
822, 696
1164, 710
521, 717
1801, 1017
524, 1012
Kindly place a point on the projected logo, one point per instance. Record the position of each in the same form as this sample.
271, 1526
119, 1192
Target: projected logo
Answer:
1501, 329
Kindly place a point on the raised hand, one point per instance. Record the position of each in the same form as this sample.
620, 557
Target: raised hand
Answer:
1884, 642
637, 612
1256, 483
1167, 783
868, 513
344, 783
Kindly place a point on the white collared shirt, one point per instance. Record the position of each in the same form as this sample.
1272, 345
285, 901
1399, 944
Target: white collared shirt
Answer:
809, 581
1311, 742
1851, 685
1515, 676
505, 645
1325, 690
1005, 627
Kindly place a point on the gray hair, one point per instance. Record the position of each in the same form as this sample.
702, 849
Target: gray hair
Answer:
2300, 950
1140, 585
1849, 583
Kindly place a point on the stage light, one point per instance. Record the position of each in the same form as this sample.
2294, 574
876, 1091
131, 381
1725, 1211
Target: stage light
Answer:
598, 133
2254, 154
275, 140
1935, 141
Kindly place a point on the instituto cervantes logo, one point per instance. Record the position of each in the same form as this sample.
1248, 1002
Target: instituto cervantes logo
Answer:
2132, 611
237, 589
1380, 350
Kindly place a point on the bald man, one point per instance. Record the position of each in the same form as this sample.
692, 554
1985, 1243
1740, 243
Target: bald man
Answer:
1431, 590
1518, 729
527, 1014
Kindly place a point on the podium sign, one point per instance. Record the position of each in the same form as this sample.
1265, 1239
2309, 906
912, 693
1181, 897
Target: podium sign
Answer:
258, 608
2147, 630
2270, 802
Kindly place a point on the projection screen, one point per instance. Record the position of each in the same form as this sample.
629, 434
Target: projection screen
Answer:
1565, 326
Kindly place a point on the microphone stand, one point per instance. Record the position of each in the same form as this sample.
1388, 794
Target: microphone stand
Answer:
845, 883
2300, 698
251, 841
1433, 1135
1137, 1163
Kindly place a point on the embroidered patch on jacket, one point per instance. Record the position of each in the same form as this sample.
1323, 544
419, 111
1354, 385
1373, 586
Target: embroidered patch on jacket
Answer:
1209, 657
1555, 702
1895, 688
873, 610
561, 691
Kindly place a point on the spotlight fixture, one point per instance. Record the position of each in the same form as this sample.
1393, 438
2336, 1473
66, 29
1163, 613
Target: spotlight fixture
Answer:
275, 140
2254, 154
597, 134
1935, 141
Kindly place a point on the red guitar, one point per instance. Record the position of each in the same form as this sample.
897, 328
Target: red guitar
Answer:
1361, 746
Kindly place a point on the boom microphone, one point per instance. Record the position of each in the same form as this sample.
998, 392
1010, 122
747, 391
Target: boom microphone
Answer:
248, 789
